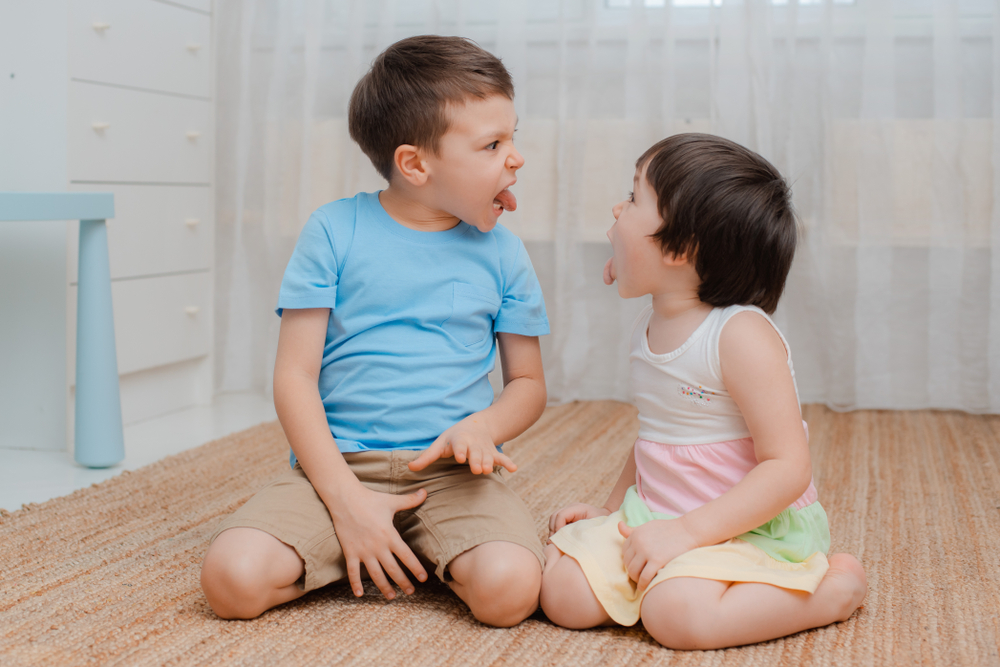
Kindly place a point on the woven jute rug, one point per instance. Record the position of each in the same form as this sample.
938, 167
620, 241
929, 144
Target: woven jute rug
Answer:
110, 574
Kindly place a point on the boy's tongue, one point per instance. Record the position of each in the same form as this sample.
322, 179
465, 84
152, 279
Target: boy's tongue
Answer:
507, 200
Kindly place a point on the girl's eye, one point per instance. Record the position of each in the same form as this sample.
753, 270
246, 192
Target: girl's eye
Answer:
494, 145
631, 197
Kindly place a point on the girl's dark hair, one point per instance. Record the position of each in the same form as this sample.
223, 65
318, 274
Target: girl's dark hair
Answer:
402, 98
731, 210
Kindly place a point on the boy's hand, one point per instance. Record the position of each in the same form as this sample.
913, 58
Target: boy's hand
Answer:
572, 514
366, 534
652, 545
468, 441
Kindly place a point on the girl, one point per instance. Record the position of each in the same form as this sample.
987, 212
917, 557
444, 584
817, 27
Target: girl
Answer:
713, 535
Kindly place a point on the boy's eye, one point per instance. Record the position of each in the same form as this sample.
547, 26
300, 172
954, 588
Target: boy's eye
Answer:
631, 197
493, 145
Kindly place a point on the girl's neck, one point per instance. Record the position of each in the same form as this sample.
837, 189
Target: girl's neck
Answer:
675, 317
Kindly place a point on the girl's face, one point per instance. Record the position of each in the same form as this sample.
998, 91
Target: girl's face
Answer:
637, 264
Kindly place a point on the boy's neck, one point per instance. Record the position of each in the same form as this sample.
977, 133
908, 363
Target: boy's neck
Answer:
408, 210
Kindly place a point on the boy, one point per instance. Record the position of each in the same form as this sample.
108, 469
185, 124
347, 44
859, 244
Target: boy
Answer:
390, 306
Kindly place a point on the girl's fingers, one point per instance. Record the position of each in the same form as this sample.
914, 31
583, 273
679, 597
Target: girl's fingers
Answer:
354, 576
648, 573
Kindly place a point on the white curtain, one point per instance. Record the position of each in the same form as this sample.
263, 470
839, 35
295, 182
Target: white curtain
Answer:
880, 113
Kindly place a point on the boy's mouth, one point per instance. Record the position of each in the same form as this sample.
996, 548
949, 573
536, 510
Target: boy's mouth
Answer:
505, 201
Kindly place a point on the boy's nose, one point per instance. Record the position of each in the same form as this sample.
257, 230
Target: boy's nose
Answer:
515, 160
616, 210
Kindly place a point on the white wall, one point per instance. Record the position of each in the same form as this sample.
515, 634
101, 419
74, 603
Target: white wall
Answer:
33, 78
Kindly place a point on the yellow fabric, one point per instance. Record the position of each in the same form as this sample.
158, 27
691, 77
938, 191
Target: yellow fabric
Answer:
596, 545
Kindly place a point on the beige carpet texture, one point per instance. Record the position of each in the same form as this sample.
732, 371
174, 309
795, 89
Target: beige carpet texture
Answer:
110, 574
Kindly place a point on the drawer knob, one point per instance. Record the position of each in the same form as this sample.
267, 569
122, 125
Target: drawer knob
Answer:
192, 222
192, 134
100, 127
192, 310
100, 26
193, 48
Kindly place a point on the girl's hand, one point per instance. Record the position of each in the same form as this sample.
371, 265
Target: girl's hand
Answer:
468, 441
652, 545
572, 514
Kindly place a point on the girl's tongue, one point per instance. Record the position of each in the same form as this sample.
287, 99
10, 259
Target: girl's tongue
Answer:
506, 200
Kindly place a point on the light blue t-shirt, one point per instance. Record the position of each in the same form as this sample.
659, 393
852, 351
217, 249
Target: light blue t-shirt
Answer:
413, 319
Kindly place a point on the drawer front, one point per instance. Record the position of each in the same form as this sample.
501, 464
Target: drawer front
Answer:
200, 5
141, 43
156, 229
133, 136
158, 321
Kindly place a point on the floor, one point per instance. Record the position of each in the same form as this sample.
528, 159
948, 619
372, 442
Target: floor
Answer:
31, 476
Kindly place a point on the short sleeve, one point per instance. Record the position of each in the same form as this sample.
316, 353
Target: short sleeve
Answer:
311, 276
522, 309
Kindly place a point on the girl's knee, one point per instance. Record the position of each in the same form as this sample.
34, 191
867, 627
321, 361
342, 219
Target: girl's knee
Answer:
566, 596
676, 620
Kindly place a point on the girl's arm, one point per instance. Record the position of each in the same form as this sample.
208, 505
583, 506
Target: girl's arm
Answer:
581, 511
625, 480
755, 372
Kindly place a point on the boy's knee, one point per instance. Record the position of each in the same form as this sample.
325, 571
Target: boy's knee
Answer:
503, 590
230, 586
235, 577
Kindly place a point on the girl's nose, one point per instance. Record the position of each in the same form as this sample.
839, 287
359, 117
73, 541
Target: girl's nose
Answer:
616, 210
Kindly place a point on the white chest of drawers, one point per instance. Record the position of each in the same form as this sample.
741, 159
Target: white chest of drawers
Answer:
139, 122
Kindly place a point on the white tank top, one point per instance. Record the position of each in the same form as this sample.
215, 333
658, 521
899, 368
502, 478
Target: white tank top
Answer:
680, 394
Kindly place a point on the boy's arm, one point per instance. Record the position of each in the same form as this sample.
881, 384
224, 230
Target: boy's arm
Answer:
519, 405
362, 518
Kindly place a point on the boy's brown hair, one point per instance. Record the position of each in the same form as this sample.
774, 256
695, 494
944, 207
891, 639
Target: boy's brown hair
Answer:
730, 209
404, 96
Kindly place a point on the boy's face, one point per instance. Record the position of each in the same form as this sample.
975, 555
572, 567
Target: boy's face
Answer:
637, 264
476, 161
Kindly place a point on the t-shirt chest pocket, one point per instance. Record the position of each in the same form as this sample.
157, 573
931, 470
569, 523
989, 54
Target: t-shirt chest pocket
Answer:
472, 314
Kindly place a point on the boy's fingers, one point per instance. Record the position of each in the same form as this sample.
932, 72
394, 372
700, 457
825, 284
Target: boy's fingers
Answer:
475, 459
354, 576
395, 572
429, 456
506, 462
409, 559
378, 577
410, 500
624, 529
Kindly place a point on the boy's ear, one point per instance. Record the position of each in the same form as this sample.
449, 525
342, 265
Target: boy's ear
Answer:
410, 163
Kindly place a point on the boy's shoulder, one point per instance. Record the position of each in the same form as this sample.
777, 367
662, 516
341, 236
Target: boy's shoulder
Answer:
344, 210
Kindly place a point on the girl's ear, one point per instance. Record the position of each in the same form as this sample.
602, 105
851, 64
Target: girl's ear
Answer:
676, 259
410, 163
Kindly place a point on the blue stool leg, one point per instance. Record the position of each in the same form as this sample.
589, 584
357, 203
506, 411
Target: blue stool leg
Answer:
100, 442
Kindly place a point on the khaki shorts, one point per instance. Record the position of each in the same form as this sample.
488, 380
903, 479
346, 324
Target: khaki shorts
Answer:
461, 511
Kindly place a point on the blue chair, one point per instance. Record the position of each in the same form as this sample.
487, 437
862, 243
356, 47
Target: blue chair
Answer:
99, 441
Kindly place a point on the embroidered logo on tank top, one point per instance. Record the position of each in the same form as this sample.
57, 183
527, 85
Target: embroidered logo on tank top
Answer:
698, 396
